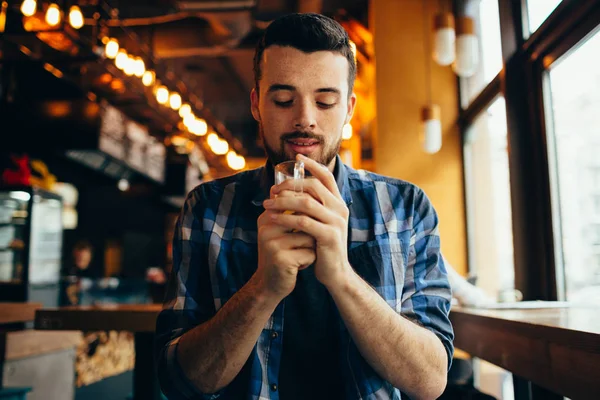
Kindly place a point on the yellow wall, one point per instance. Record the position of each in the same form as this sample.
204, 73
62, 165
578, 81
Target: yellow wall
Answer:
401, 92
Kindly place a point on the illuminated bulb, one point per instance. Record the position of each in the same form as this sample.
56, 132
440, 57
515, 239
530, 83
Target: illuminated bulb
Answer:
234, 161
75, 17
28, 7
199, 127
212, 139
121, 59
347, 132
148, 78
175, 101
53, 15
129, 66
231, 158
221, 147
162, 95
189, 120
432, 129
139, 67
241, 162
203, 126
445, 37
112, 48
467, 48
185, 110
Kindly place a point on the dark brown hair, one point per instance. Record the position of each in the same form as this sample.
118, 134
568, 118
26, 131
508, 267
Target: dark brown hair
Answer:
308, 33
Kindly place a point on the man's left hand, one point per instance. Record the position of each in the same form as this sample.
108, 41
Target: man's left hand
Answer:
321, 213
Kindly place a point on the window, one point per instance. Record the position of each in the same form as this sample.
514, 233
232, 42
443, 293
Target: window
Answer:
538, 11
595, 176
572, 83
487, 22
595, 212
488, 200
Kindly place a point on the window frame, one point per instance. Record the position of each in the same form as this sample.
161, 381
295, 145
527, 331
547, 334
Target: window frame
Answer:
526, 58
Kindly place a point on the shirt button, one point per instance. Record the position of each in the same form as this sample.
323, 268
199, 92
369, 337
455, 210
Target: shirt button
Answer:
273, 387
274, 335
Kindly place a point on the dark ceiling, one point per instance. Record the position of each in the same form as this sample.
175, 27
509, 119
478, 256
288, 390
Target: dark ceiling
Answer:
201, 48
209, 45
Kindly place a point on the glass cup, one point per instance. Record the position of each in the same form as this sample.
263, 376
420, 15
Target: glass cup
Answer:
509, 296
291, 170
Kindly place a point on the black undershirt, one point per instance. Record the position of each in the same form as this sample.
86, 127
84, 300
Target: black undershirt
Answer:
309, 363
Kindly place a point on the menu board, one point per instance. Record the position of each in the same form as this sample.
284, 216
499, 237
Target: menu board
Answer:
138, 140
130, 142
112, 132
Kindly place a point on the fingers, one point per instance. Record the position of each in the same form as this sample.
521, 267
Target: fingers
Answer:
279, 236
312, 187
297, 241
301, 258
323, 233
322, 173
300, 204
289, 241
266, 229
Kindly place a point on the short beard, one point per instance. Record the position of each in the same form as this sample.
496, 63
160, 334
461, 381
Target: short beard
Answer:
278, 156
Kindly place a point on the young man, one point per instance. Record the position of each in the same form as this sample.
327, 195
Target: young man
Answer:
346, 298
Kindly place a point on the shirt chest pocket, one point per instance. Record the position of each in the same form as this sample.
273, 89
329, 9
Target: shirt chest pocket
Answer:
383, 267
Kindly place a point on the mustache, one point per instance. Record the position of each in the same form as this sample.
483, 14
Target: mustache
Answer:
301, 135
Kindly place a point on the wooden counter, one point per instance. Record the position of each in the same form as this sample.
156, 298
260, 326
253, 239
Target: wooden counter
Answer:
557, 349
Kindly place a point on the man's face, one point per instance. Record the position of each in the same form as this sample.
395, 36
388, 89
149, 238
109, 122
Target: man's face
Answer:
82, 258
303, 104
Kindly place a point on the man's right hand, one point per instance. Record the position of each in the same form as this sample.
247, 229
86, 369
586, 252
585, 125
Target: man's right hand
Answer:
281, 254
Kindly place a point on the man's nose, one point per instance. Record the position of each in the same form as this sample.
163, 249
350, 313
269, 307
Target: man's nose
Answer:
305, 116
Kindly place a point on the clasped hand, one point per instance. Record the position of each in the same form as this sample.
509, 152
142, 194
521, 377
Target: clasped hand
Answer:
316, 232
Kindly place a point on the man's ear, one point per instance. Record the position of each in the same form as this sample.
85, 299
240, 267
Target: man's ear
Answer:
254, 104
351, 107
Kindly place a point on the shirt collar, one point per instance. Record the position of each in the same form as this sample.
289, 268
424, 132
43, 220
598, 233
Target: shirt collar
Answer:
266, 180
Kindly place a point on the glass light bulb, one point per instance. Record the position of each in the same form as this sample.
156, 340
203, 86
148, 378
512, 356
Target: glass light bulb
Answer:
129, 66
75, 17
432, 136
148, 78
443, 50
112, 48
121, 59
234, 161
221, 147
185, 110
28, 7
200, 127
162, 95
467, 55
175, 101
53, 15
139, 67
212, 139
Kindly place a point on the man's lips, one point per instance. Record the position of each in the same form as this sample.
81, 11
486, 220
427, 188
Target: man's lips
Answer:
303, 146
302, 142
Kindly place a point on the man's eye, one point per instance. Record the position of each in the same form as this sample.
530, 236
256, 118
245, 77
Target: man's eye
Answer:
325, 105
283, 103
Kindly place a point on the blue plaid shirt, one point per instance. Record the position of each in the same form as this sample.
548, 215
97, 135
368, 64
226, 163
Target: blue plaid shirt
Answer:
393, 244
